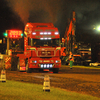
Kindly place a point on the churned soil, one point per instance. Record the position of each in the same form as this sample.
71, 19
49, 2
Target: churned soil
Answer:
81, 80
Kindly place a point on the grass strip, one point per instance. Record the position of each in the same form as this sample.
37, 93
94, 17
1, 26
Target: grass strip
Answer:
13, 90
79, 66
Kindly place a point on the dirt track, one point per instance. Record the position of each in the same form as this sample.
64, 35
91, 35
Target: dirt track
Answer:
86, 81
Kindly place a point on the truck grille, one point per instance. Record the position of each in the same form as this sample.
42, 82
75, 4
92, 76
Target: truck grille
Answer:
45, 53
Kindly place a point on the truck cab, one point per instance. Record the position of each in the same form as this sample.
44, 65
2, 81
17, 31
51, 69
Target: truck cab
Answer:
41, 48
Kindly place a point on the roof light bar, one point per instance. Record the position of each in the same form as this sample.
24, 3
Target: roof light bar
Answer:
34, 33
45, 33
41, 33
56, 33
49, 33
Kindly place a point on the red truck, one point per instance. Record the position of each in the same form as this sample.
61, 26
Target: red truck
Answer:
41, 48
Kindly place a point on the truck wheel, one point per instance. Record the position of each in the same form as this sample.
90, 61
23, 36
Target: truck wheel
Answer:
28, 70
55, 70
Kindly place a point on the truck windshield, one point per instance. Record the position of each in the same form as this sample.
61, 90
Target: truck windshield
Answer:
38, 42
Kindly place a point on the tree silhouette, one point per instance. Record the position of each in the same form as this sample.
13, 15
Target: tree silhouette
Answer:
8, 18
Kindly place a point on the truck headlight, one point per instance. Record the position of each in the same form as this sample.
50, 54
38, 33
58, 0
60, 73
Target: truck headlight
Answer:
56, 33
34, 61
41, 65
51, 65
57, 61
33, 33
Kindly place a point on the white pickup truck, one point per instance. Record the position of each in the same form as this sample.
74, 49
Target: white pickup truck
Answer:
94, 64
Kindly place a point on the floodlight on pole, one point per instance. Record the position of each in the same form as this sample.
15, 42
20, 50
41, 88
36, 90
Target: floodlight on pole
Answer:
98, 28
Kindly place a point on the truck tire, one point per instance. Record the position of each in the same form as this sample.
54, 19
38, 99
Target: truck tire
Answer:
55, 70
28, 70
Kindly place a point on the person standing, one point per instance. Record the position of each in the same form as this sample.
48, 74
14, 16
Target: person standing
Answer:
71, 58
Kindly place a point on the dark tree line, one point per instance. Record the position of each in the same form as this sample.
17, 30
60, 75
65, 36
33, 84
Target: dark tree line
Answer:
8, 18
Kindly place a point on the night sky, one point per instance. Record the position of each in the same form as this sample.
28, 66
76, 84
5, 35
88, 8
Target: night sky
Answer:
16, 13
